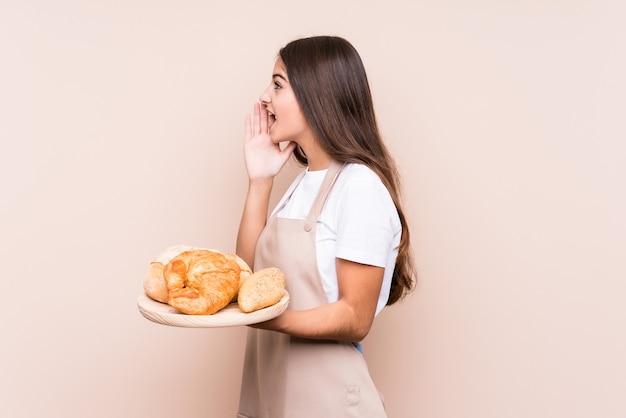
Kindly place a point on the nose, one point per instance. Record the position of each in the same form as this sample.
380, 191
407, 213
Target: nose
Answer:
265, 97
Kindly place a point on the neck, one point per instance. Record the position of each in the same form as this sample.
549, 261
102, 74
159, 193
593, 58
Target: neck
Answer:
318, 164
317, 158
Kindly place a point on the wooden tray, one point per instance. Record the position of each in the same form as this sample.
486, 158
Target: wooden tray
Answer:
230, 316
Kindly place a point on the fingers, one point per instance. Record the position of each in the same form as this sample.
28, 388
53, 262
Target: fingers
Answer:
257, 117
259, 124
289, 148
252, 127
263, 111
247, 128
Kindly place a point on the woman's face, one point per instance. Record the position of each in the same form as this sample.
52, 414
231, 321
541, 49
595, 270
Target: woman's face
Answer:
286, 121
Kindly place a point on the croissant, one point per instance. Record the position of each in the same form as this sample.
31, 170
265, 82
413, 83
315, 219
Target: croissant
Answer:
201, 282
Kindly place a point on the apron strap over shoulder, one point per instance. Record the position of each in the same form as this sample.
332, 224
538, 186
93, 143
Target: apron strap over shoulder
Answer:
327, 184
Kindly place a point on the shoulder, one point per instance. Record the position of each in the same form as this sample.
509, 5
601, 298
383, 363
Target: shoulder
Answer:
359, 171
360, 179
358, 188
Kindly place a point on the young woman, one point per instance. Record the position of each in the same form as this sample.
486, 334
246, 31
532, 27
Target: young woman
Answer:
339, 234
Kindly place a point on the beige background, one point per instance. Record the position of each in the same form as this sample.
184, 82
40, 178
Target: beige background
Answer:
121, 128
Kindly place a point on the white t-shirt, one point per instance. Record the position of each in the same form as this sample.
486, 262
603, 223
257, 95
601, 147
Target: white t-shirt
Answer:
359, 223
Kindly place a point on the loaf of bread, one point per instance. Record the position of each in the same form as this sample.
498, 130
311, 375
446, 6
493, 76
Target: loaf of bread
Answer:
201, 282
154, 283
261, 289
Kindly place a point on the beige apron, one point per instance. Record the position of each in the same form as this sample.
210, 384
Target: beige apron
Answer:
290, 377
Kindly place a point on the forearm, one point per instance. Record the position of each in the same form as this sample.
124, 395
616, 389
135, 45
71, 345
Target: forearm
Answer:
253, 218
335, 321
348, 319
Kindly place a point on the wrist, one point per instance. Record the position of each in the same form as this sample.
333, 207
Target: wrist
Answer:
261, 183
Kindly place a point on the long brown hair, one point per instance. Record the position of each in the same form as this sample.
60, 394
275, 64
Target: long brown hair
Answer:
329, 81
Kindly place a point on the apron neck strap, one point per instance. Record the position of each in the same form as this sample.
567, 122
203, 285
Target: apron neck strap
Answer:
327, 184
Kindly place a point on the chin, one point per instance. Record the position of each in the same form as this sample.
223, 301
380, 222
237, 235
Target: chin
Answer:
277, 139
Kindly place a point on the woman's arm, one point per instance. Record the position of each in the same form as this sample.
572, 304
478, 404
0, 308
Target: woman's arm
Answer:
253, 219
264, 159
348, 319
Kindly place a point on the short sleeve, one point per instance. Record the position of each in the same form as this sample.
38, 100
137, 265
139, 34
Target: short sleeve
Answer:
367, 221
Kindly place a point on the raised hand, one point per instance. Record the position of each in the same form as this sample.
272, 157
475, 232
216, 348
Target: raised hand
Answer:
263, 158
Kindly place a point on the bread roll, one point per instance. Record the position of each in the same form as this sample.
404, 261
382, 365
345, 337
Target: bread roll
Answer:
154, 283
262, 289
201, 282
167, 254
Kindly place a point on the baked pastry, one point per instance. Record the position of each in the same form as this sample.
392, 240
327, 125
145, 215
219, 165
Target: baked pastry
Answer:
261, 289
154, 282
201, 282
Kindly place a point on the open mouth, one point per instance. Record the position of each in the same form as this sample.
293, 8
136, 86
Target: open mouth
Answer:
270, 119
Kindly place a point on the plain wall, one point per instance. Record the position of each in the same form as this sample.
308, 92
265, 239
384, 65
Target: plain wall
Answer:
121, 125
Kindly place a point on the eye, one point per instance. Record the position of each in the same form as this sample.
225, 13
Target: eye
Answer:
277, 85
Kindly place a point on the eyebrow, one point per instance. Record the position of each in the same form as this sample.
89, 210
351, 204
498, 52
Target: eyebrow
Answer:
280, 76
